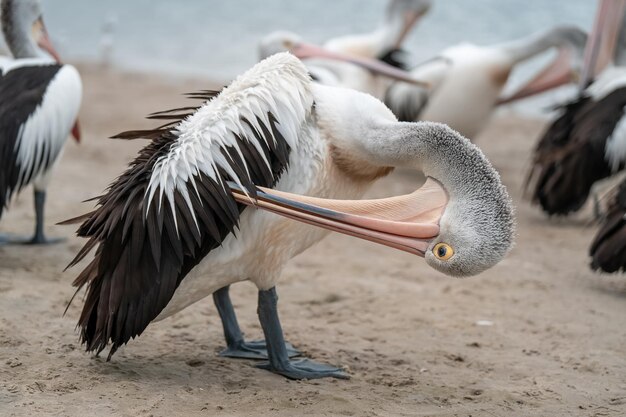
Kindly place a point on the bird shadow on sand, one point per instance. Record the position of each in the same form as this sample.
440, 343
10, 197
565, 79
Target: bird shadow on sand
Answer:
584, 222
177, 369
609, 284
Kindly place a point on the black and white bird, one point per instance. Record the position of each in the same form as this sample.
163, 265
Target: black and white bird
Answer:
587, 142
176, 227
356, 61
466, 81
39, 103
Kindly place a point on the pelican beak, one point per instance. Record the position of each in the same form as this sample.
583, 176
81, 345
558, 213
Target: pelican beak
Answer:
76, 131
43, 40
558, 73
600, 48
410, 19
308, 51
408, 223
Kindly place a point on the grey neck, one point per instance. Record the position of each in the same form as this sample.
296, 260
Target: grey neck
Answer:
435, 149
536, 43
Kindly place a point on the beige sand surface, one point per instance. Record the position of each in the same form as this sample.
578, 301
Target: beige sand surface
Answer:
407, 335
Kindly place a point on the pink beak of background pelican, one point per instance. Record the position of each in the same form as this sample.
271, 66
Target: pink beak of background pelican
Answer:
45, 44
598, 54
307, 51
558, 73
408, 223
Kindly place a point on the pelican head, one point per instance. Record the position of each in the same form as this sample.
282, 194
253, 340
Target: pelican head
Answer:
283, 41
23, 28
278, 41
477, 226
461, 220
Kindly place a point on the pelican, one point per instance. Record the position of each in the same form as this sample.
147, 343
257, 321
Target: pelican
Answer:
39, 103
466, 80
587, 142
196, 211
356, 61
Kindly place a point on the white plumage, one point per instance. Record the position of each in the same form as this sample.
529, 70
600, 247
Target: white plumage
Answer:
466, 80
49, 125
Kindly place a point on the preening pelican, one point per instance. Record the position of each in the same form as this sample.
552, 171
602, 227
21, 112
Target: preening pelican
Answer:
175, 227
466, 80
355, 61
587, 142
39, 103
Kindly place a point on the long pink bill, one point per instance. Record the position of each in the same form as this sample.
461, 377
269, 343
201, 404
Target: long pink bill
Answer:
410, 19
598, 54
307, 51
600, 48
408, 222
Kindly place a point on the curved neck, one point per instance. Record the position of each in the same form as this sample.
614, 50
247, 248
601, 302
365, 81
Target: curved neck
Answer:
17, 33
394, 29
432, 148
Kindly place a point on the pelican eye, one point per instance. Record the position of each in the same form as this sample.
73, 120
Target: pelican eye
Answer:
443, 251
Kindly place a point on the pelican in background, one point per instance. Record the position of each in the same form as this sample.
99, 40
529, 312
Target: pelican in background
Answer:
400, 18
39, 103
466, 81
175, 227
608, 248
587, 142
355, 61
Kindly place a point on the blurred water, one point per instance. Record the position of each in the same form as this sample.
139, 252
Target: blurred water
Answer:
218, 39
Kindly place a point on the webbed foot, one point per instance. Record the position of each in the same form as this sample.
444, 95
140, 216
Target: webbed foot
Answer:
256, 349
304, 369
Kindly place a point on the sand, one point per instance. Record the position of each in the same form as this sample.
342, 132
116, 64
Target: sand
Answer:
539, 334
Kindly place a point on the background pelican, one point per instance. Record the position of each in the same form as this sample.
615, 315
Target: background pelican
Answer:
400, 18
587, 142
466, 80
174, 229
339, 63
39, 103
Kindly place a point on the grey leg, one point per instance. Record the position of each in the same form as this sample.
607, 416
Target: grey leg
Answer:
236, 346
279, 361
39, 237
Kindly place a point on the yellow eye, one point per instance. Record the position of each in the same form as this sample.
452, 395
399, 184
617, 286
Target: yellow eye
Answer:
443, 251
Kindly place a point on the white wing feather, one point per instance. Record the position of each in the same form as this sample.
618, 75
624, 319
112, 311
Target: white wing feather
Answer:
279, 85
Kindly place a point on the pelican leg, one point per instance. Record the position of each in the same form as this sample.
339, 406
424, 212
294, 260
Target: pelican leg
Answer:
236, 346
39, 237
279, 361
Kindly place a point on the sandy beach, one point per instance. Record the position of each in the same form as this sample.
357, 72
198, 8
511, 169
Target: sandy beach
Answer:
539, 334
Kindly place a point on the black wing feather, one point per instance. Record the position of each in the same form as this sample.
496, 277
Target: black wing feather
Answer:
608, 249
570, 157
141, 258
21, 91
